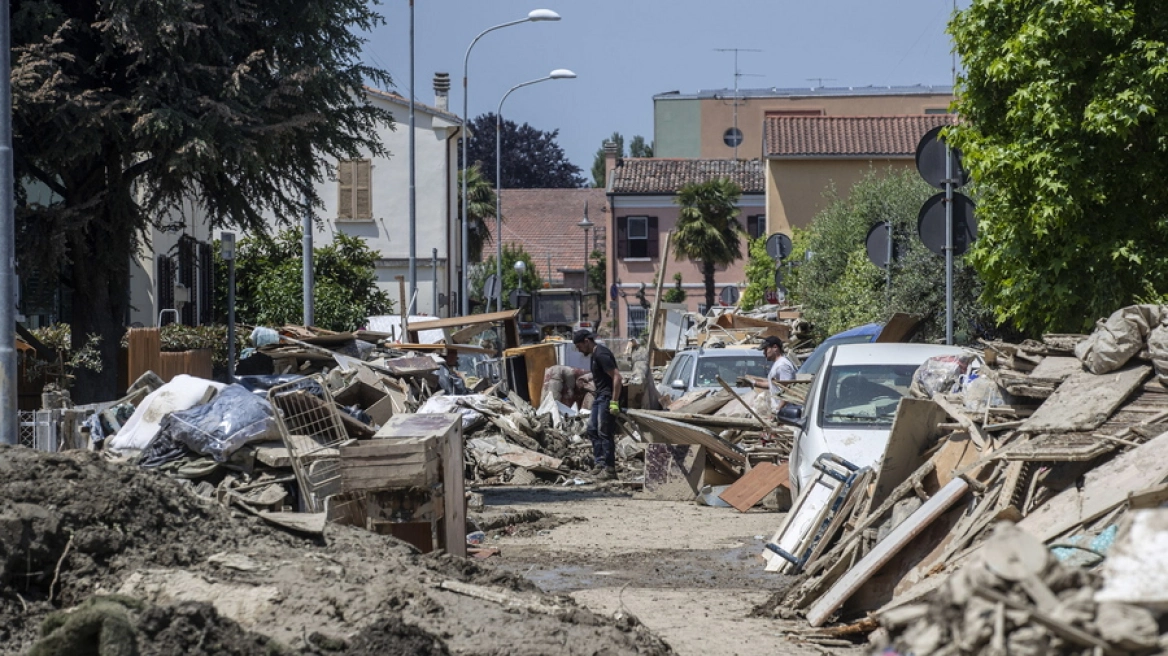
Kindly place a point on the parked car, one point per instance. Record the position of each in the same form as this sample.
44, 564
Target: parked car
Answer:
697, 369
852, 403
859, 335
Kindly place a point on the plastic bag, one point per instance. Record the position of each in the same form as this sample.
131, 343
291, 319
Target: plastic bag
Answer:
940, 374
982, 393
219, 428
179, 394
261, 336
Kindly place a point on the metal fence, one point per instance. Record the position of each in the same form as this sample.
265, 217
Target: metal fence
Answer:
38, 429
638, 321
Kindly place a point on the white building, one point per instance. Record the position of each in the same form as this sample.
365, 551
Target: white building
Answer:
367, 198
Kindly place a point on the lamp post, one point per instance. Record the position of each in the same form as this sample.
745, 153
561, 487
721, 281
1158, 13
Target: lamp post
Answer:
586, 224
227, 246
558, 74
538, 15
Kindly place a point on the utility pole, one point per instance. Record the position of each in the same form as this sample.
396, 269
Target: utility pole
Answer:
9, 428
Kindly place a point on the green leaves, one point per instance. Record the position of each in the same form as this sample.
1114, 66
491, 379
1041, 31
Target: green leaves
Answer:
707, 228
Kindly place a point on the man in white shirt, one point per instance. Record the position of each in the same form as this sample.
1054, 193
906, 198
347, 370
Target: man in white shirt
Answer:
782, 369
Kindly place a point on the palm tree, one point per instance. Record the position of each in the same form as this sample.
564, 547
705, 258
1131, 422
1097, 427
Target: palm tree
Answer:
480, 207
707, 230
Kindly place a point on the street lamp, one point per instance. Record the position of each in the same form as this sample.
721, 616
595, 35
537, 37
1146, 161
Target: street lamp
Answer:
538, 15
558, 74
586, 224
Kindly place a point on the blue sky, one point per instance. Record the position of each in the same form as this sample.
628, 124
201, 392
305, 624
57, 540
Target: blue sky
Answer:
625, 51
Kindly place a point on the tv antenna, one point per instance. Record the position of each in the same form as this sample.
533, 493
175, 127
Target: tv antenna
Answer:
819, 80
736, 136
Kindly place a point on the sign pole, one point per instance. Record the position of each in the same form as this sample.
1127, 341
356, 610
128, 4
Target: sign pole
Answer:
948, 245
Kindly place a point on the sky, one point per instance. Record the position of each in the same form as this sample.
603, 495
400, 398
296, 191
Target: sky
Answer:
626, 51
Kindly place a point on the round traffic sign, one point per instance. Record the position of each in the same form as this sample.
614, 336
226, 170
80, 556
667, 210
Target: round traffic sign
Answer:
877, 244
931, 154
491, 286
779, 246
931, 224
729, 295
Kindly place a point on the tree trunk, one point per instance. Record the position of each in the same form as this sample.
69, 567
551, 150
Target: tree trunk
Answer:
100, 257
708, 277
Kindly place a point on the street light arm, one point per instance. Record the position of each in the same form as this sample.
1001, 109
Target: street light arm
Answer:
499, 113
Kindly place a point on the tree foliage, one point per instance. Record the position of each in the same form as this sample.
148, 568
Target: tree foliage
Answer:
126, 111
480, 197
760, 275
637, 148
839, 288
674, 294
707, 228
269, 287
531, 158
1065, 129
512, 253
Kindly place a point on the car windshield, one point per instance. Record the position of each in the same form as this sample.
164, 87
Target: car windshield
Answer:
556, 309
729, 368
865, 394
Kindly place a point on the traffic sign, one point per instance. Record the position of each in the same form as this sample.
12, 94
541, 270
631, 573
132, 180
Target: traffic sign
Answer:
877, 244
779, 246
931, 223
729, 295
931, 152
491, 287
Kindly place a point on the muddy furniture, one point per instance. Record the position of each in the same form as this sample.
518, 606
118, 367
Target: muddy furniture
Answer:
409, 480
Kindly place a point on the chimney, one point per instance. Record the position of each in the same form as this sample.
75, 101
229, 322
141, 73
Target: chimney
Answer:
611, 154
442, 91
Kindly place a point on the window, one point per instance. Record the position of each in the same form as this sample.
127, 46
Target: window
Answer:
756, 226
637, 237
732, 137
937, 110
638, 321
354, 198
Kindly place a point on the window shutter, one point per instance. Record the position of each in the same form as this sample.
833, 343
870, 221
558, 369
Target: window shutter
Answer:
654, 248
164, 292
622, 237
362, 183
206, 283
344, 190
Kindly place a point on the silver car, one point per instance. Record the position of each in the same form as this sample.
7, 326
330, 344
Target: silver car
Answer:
699, 369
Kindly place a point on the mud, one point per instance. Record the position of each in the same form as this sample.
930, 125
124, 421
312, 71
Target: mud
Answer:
101, 528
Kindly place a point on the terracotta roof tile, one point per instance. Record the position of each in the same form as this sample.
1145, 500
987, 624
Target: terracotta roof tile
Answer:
849, 136
544, 222
667, 176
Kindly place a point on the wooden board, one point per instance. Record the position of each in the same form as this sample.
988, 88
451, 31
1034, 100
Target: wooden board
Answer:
1061, 447
900, 537
901, 327
760, 481
1056, 368
1084, 401
913, 430
676, 432
673, 472
1104, 488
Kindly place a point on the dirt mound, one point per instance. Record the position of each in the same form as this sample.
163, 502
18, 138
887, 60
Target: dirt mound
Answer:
73, 525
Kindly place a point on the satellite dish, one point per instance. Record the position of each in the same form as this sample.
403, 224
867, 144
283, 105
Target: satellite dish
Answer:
729, 295
877, 245
931, 160
491, 286
931, 224
779, 246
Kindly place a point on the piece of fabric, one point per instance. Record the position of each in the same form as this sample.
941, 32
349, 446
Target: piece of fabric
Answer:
600, 431
603, 361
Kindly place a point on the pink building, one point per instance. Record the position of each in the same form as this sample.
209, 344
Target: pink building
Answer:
642, 195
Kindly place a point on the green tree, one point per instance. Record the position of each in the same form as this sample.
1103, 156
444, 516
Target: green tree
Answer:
598, 272
707, 230
512, 253
1064, 114
126, 111
674, 294
269, 289
637, 148
760, 275
480, 208
839, 288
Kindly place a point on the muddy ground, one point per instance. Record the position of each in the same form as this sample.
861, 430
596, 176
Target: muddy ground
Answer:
690, 573
93, 552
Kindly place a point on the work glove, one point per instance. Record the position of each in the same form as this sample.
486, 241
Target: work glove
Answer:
614, 408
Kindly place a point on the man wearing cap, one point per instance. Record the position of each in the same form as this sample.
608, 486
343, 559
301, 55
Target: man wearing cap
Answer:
782, 369
607, 380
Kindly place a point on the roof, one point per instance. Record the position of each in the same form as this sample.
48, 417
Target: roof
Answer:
667, 176
848, 136
811, 92
545, 222
908, 354
402, 100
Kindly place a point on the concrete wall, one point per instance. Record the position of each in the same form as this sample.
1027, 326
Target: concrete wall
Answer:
795, 187
677, 127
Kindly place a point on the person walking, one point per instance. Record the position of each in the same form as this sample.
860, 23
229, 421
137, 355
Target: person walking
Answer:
782, 370
607, 381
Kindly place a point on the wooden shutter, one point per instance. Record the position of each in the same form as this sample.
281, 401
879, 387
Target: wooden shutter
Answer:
187, 277
654, 247
622, 237
362, 189
164, 288
206, 283
345, 189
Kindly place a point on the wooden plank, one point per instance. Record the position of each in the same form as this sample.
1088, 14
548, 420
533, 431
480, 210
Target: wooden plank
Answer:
913, 430
454, 503
391, 447
312, 523
1084, 401
676, 432
974, 430
900, 537
901, 327
653, 318
710, 421
1056, 368
1104, 488
760, 481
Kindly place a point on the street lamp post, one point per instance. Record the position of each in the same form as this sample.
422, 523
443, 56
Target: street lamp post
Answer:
558, 74
537, 15
586, 224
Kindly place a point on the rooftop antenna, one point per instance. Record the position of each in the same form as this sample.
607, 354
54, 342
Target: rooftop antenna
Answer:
819, 80
737, 74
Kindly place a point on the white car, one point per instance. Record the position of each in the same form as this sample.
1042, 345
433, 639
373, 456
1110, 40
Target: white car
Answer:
852, 403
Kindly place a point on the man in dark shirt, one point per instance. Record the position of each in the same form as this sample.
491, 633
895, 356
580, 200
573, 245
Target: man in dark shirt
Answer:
607, 380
